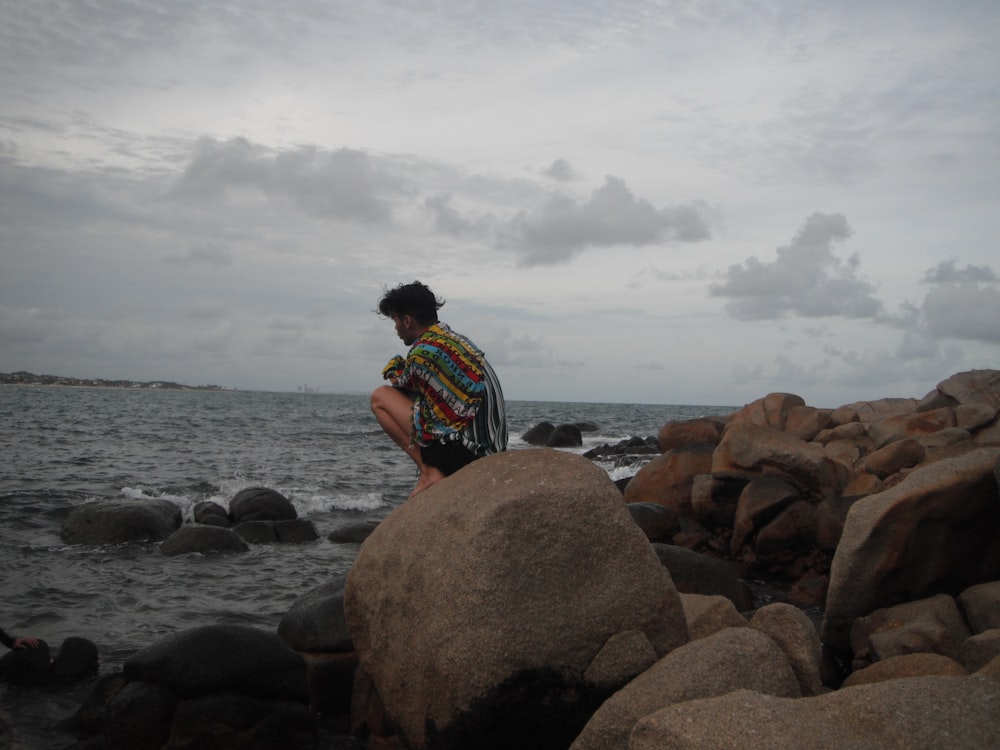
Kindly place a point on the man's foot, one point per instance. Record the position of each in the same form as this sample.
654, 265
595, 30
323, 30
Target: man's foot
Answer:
428, 477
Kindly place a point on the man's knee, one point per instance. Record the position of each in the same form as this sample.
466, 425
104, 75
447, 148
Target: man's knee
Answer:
378, 397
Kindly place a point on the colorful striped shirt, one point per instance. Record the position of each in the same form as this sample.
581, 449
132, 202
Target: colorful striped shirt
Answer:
458, 396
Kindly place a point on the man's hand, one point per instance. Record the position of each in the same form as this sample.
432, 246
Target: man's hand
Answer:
26, 642
394, 370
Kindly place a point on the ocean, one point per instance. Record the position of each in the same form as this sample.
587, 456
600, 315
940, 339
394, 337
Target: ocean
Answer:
62, 446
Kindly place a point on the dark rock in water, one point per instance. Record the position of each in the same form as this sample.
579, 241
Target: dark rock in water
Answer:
633, 446
77, 658
352, 533
256, 532
316, 620
210, 513
565, 436
694, 573
261, 504
115, 522
539, 434
296, 531
657, 522
196, 537
222, 658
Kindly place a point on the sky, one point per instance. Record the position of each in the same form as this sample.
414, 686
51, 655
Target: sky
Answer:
674, 201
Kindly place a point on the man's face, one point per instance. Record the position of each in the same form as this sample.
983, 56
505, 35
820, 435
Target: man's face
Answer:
404, 328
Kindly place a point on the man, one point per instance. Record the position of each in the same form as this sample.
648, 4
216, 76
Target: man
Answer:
445, 407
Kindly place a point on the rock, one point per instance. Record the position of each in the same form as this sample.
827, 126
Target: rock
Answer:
477, 606
901, 454
884, 408
118, 522
700, 431
772, 453
240, 721
694, 573
220, 659
805, 422
891, 429
796, 636
708, 614
934, 531
790, 534
932, 625
715, 497
194, 537
139, 717
89, 718
260, 504
979, 650
210, 513
256, 532
830, 516
565, 436
728, 660
906, 665
761, 500
316, 621
295, 531
972, 417
624, 656
770, 411
668, 478
973, 387
539, 434
352, 533
981, 605
921, 713
76, 658
657, 522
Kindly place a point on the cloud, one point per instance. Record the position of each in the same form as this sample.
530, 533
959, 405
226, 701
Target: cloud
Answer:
806, 279
560, 170
947, 272
342, 184
963, 311
612, 216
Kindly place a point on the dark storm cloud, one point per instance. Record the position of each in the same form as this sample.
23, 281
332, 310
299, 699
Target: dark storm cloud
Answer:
342, 184
564, 228
805, 279
560, 170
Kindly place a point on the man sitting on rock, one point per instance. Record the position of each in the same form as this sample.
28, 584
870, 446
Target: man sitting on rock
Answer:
445, 407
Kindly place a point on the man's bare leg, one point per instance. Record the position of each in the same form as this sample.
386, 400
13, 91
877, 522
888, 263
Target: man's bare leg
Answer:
393, 410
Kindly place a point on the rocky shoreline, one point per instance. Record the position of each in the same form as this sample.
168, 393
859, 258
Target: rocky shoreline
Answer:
525, 602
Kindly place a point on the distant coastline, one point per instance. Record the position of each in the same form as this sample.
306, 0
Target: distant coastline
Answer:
29, 378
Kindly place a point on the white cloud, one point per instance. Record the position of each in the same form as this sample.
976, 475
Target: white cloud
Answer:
805, 279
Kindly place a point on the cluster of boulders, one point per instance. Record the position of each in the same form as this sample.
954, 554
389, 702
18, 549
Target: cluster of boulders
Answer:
256, 515
523, 603
771, 486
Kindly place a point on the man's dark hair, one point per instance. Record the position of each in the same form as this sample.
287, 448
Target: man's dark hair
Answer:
411, 299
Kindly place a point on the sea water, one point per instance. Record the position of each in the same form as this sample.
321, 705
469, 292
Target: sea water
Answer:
62, 446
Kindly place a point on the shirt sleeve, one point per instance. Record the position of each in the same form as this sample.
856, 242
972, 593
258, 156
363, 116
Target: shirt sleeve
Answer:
5, 639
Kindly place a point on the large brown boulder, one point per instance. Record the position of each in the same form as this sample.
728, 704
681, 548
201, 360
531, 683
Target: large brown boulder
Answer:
935, 531
973, 387
478, 606
702, 430
770, 411
728, 660
770, 452
918, 424
668, 478
920, 713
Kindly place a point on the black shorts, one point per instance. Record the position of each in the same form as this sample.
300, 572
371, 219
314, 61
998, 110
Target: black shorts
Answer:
447, 457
